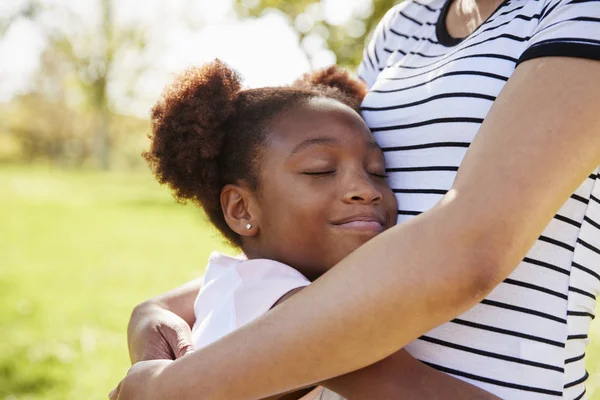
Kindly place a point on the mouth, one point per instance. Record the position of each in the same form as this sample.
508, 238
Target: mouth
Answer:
367, 223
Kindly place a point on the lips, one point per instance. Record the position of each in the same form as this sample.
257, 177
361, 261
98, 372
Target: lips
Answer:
366, 222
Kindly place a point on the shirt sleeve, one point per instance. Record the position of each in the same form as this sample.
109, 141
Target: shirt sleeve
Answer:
261, 283
374, 54
567, 28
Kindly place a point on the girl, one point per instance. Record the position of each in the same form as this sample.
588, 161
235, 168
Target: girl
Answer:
293, 177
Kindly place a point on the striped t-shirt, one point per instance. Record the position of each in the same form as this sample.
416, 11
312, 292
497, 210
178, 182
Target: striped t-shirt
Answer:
429, 94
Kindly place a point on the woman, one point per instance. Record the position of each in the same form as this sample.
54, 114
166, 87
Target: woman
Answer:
525, 203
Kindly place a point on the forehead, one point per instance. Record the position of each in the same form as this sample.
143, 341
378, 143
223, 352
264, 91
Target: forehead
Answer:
319, 117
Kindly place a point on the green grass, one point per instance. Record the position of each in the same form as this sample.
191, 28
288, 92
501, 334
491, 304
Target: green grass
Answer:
77, 251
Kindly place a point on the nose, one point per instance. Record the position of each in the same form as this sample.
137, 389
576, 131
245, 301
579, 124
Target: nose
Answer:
361, 189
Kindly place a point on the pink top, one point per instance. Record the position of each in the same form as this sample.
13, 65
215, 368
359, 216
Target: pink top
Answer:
236, 291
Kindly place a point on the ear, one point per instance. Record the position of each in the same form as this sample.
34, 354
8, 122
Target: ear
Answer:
240, 209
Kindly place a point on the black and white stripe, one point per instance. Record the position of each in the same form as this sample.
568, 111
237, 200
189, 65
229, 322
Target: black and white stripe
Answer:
429, 93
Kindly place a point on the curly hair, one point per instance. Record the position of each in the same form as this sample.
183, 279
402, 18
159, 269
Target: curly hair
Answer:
207, 131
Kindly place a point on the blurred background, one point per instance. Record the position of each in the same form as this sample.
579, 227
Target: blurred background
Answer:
85, 231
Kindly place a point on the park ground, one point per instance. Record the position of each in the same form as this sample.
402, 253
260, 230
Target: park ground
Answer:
78, 250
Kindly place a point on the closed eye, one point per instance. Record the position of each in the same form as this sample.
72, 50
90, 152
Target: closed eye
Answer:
383, 176
319, 173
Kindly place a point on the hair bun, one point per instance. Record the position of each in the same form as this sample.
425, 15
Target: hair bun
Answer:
186, 135
336, 78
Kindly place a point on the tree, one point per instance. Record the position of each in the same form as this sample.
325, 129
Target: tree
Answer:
305, 16
81, 56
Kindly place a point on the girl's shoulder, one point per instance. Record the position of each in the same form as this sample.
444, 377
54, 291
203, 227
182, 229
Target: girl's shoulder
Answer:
255, 271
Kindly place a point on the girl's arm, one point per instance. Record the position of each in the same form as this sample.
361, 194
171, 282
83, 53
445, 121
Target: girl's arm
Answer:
538, 143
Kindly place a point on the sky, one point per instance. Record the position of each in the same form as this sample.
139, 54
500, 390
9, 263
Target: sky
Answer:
183, 33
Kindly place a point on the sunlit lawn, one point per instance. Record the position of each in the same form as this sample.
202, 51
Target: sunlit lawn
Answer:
77, 251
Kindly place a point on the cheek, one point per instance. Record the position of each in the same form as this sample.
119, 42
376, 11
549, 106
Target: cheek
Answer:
292, 206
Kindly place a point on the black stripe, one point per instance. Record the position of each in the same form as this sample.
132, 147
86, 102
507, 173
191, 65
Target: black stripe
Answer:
492, 381
455, 73
490, 354
410, 37
591, 222
581, 292
524, 310
507, 332
561, 49
425, 5
585, 269
580, 314
588, 246
581, 395
594, 198
567, 220
574, 359
582, 1
556, 243
398, 33
548, 9
422, 169
491, 28
535, 287
579, 198
405, 212
451, 57
480, 31
370, 60
421, 191
545, 265
578, 381
506, 12
426, 146
436, 97
410, 18
388, 50
429, 122
376, 57
490, 55
594, 176
577, 337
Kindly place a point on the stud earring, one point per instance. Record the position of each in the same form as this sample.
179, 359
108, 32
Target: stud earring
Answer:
248, 226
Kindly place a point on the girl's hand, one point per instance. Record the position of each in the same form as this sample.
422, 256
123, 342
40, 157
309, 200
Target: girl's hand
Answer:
140, 382
158, 334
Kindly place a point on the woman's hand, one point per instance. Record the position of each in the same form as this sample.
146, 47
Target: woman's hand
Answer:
156, 333
140, 382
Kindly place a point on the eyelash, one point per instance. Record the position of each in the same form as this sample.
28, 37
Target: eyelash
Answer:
319, 173
383, 176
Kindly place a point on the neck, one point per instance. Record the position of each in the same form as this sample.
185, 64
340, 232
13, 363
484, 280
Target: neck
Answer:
464, 16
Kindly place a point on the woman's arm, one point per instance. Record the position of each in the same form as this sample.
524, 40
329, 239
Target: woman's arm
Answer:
159, 328
538, 143
397, 376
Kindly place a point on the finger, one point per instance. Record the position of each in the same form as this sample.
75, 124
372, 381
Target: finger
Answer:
114, 394
160, 351
179, 339
184, 346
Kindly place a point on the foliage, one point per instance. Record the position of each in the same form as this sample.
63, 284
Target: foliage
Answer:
305, 16
75, 75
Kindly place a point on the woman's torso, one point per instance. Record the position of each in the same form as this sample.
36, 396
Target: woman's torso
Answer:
428, 97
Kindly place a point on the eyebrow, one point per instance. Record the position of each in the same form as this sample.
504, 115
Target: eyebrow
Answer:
323, 141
